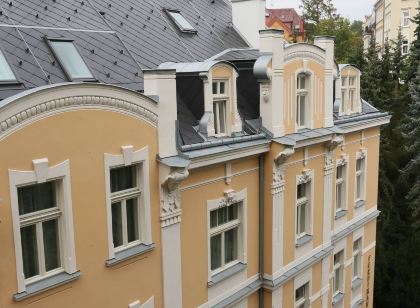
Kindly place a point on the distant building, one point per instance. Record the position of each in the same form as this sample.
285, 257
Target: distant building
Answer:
287, 20
387, 17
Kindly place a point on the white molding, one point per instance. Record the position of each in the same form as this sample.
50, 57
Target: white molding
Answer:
355, 220
369, 247
19, 178
357, 126
140, 157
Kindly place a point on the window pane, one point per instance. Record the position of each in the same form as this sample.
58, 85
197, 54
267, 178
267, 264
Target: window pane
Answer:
29, 251
6, 73
222, 87
231, 248
302, 218
338, 196
302, 111
222, 116
343, 81
117, 234
337, 280
233, 212
51, 244
358, 187
301, 82
216, 251
213, 219
222, 215
71, 59
183, 23
356, 266
339, 172
123, 178
358, 164
214, 87
301, 191
36, 197
132, 220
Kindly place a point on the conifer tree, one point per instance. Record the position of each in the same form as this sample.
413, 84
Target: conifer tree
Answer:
414, 59
370, 81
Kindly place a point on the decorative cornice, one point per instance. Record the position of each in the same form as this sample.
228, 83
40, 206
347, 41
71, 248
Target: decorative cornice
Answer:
72, 102
305, 177
336, 141
283, 156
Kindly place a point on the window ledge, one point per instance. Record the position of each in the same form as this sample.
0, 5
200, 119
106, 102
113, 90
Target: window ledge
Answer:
359, 203
357, 282
302, 240
226, 273
129, 253
340, 213
338, 298
46, 284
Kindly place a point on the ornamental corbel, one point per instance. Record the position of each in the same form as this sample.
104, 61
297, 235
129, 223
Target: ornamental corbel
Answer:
229, 198
171, 197
343, 160
336, 141
305, 177
361, 154
283, 156
278, 176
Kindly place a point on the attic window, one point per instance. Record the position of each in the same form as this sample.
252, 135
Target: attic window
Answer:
182, 23
6, 73
70, 60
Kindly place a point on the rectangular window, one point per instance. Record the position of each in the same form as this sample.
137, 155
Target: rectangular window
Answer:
182, 23
220, 99
302, 296
71, 60
405, 18
39, 217
405, 47
352, 99
6, 73
302, 210
338, 272
360, 178
125, 196
343, 81
352, 81
340, 188
224, 229
343, 99
357, 258
301, 101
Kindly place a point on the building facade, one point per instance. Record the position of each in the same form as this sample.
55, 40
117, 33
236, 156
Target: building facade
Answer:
172, 178
387, 18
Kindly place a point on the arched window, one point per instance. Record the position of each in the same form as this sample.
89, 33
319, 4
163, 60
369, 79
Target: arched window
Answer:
302, 99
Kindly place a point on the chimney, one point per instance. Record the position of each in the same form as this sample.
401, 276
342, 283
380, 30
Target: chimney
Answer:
162, 85
249, 17
271, 83
327, 43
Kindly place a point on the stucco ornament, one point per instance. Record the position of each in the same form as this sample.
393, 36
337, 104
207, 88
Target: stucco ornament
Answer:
278, 170
335, 142
266, 95
229, 199
170, 186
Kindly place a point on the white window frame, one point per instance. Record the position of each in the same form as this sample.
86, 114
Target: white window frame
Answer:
41, 174
305, 92
231, 197
361, 154
127, 158
343, 163
303, 280
305, 178
405, 47
405, 21
340, 268
218, 98
359, 255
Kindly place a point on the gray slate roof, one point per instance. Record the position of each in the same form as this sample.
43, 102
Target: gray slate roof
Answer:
117, 39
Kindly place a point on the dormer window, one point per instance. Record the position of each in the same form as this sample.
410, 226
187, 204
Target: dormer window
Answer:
70, 60
220, 99
350, 93
182, 23
6, 73
302, 98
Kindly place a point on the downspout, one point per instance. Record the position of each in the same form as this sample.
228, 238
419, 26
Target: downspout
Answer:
261, 229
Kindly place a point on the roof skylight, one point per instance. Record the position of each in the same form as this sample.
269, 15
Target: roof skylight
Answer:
183, 24
6, 73
71, 60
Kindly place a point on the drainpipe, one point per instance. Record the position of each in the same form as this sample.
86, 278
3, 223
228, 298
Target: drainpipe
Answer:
261, 229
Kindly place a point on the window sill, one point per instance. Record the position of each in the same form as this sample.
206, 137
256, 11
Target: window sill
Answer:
302, 240
356, 282
46, 284
338, 298
226, 273
129, 253
340, 213
359, 203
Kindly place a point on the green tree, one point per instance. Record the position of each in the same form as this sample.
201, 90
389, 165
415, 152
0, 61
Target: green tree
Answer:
316, 10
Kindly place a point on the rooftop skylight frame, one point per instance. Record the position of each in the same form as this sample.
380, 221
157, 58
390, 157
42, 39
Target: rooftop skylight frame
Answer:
50, 41
176, 16
10, 68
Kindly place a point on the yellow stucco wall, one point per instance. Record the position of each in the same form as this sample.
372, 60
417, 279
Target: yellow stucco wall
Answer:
194, 237
83, 137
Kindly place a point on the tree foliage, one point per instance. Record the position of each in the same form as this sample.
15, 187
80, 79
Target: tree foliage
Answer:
316, 10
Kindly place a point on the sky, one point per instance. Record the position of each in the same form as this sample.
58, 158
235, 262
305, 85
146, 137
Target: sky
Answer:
352, 9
